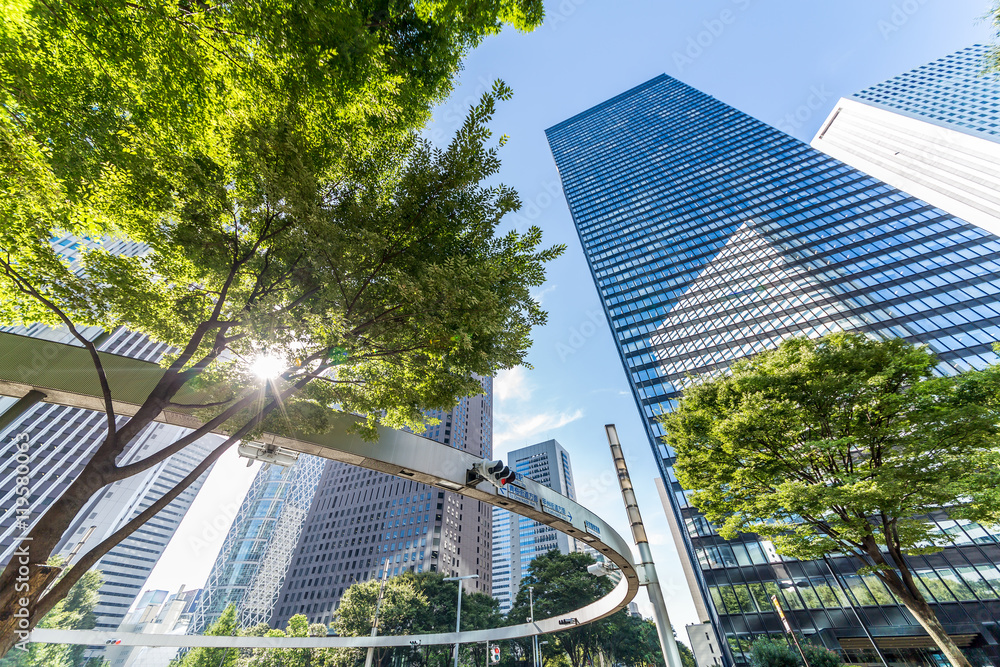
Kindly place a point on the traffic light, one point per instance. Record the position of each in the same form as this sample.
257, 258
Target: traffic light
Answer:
494, 654
496, 473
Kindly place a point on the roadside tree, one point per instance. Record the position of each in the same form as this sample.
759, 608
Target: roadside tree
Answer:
844, 444
261, 157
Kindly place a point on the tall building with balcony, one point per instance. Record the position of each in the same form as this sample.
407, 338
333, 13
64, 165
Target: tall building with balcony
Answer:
362, 522
518, 540
712, 236
933, 132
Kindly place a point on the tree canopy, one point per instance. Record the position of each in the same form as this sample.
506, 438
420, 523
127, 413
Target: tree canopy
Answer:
202, 656
561, 584
843, 444
767, 651
243, 183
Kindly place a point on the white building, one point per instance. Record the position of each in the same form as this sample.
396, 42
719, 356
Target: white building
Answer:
157, 613
933, 132
518, 540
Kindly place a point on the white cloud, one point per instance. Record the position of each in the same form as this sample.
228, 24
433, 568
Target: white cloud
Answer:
512, 384
539, 295
524, 429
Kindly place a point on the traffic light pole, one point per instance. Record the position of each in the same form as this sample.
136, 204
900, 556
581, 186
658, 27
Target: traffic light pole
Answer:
663, 628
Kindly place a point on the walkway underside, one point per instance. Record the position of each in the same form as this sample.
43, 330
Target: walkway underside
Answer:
65, 375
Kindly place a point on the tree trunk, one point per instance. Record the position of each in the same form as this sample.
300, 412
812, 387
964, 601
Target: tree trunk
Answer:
39, 544
927, 619
18, 618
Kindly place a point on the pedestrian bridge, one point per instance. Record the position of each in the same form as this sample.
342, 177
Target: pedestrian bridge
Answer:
62, 374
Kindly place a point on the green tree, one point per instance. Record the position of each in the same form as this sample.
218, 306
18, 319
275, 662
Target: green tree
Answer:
632, 641
687, 656
561, 584
843, 444
403, 606
768, 652
298, 626
415, 604
262, 157
74, 612
765, 651
214, 657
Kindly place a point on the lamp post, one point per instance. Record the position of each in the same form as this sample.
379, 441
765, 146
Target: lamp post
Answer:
664, 630
378, 605
534, 638
458, 614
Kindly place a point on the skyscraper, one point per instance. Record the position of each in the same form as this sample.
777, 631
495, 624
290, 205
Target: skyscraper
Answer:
933, 132
63, 439
518, 540
712, 236
360, 519
253, 561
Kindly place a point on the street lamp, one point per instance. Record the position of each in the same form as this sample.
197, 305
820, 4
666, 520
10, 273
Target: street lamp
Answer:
534, 638
378, 605
458, 615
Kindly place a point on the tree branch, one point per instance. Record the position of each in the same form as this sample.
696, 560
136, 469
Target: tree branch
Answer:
25, 287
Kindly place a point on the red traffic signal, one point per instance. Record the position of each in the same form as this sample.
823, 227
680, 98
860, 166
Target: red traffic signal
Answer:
496, 473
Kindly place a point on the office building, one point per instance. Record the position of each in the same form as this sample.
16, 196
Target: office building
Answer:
63, 439
712, 236
933, 132
253, 561
156, 613
362, 521
518, 540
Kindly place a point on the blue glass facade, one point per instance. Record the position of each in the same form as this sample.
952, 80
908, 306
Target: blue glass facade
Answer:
951, 91
712, 236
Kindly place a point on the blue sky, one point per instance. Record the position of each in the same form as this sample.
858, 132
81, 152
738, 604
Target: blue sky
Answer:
786, 62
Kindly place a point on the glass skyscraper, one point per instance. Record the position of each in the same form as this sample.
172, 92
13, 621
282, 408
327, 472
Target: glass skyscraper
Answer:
712, 236
253, 561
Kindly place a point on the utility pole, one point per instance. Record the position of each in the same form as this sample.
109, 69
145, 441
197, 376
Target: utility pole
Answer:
663, 628
458, 614
788, 627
